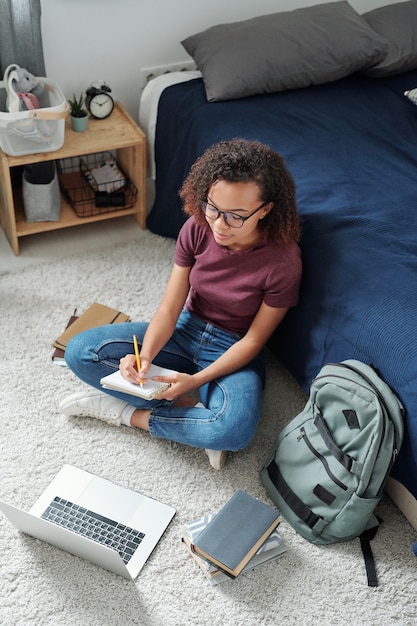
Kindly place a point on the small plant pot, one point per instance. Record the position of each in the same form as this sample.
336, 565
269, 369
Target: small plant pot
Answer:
79, 124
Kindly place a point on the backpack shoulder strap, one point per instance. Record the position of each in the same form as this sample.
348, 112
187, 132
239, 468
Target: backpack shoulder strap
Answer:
365, 539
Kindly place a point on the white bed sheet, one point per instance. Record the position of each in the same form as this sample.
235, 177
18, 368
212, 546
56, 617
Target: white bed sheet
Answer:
148, 107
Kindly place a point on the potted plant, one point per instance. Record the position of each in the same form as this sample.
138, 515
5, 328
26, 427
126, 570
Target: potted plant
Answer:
78, 112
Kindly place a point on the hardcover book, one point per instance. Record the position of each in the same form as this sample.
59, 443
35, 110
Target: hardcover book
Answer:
272, 548
236, 533
58, 356
96, 315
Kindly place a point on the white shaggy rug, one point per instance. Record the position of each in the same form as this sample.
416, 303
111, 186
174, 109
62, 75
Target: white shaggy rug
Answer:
44, 586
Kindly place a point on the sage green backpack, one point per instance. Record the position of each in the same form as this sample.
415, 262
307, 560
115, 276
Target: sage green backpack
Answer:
327, 469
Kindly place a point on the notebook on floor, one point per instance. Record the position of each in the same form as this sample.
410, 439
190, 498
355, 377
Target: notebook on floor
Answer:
95, 519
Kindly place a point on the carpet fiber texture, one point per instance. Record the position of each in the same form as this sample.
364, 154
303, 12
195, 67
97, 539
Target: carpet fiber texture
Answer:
45, 586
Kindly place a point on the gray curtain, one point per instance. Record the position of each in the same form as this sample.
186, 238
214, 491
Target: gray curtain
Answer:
20, 35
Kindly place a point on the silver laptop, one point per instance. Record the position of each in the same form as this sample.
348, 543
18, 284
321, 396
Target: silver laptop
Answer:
95, 519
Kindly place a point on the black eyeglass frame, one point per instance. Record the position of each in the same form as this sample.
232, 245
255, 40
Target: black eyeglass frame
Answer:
224, 214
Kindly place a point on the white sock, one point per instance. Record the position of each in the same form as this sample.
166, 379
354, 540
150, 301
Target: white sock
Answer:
127, 414
199, 405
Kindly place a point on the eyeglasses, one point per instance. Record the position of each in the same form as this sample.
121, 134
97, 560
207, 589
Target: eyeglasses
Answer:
232, 219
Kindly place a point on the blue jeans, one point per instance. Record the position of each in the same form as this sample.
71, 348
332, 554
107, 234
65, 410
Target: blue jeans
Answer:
232, 403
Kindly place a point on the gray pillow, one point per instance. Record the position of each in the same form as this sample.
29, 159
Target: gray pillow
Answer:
398, 24
282, 51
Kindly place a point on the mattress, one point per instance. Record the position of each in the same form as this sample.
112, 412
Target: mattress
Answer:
351, 147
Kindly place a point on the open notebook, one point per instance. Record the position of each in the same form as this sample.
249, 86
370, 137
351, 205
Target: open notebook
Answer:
148, 390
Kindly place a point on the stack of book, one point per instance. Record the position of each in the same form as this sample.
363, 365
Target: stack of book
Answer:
95, 315
239, 537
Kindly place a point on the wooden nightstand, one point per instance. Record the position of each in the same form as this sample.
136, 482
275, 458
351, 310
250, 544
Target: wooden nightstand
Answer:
119, 133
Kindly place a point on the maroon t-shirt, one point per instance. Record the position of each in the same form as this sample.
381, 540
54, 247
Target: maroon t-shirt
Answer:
228, 287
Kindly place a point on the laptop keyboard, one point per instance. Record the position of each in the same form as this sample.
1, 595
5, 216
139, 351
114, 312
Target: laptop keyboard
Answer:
101, 529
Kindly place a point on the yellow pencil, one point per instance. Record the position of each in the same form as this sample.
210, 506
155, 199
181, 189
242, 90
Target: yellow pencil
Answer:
135, 343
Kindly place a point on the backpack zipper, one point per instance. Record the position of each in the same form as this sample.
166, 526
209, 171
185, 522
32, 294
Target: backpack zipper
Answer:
384, 405
388, 472
303, 435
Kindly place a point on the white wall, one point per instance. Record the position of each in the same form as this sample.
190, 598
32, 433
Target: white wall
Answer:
89, 40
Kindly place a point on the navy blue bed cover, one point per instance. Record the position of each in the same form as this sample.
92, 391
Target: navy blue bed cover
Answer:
351, 147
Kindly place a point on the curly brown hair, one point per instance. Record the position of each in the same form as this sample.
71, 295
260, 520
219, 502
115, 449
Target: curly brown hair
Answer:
242, 160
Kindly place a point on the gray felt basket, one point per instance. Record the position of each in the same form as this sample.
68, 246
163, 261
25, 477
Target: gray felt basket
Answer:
42, 202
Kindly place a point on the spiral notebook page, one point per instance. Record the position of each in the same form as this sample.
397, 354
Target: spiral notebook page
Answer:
148, 390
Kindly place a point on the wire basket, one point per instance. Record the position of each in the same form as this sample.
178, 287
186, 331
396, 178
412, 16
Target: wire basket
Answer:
95, 184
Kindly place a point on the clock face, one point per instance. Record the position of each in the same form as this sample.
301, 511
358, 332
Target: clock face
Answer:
101, 105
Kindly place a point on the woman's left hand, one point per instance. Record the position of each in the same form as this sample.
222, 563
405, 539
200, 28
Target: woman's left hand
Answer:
180, 384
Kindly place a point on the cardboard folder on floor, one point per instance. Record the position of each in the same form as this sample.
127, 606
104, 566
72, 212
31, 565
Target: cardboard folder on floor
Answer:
96, 315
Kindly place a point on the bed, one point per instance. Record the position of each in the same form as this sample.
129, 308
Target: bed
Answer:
350, 142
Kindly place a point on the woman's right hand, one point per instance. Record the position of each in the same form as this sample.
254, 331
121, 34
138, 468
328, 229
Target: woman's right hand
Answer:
129, 370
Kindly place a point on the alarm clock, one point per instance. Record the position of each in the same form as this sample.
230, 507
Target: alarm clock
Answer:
99, 102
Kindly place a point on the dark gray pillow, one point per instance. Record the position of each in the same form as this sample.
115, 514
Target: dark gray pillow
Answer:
286, 50
398, 24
